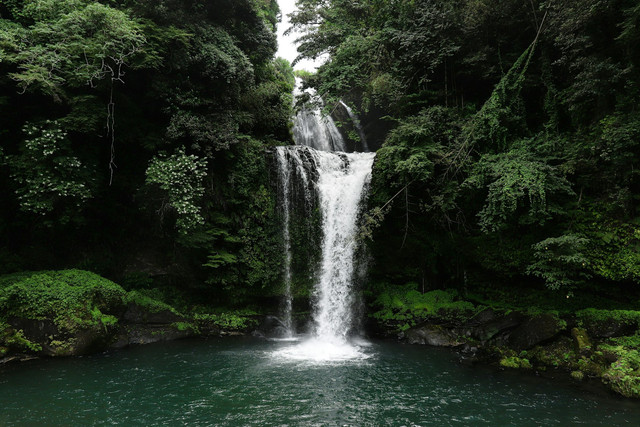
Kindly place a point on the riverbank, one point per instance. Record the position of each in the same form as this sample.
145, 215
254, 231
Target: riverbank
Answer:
76, 312
546, 333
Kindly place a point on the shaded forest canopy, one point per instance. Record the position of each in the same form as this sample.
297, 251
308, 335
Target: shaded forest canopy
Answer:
514, 134
133, 135
134, 131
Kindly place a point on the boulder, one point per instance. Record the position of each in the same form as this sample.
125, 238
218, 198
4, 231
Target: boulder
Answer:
488, 324
149, 333
609, 324
435, 335
535, 330
581, 341
55, 341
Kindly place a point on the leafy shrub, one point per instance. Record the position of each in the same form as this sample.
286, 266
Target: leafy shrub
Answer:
405, 306
150, 300
181, 177
560, 261
46, 173
234, 321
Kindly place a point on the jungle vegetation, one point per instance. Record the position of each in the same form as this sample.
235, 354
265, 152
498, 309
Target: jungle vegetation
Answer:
133, 137
513, 137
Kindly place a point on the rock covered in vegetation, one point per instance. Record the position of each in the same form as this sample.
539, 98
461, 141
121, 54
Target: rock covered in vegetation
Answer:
58, 313
75, 312
586, 344
435, 335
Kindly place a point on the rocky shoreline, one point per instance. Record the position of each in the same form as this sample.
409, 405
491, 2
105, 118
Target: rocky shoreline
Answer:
74, 312
591, 345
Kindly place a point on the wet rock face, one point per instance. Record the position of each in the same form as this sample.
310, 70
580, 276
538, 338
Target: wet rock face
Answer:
515, 330
435, 335
489, 324
609, 328
138, 314
535, 330
54, 341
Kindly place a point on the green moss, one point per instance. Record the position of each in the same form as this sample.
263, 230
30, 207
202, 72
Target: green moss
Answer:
233, 321
602, 317
73, 298
15, 339
623, 375
147, 302
515, 362
581, 340
557, 354
543, 300
63, 347
577, 375
186, 326
402, 307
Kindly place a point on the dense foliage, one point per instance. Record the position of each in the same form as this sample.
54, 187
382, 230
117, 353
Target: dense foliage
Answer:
514, 147
133, 136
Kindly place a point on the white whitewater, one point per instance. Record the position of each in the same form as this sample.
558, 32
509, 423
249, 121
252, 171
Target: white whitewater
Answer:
285, 190
340, 183
314, 129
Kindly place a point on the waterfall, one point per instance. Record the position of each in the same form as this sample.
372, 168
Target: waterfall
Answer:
336, 183
341, 183
314, 130
284, 176
357, 125
316, 172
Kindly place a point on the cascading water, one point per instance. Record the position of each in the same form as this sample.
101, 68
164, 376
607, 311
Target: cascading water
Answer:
284, 178
313, 129
341, 184
338, 181
357, 126
294, 183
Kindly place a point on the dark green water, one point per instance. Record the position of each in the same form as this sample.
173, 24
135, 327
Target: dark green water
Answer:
237, 382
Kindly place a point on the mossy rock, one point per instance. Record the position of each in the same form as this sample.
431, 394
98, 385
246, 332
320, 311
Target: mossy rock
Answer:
624, 375
515, 362
435, 335
58, 313
559, 353
489, 323
577, 375
581, 341
608, 323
